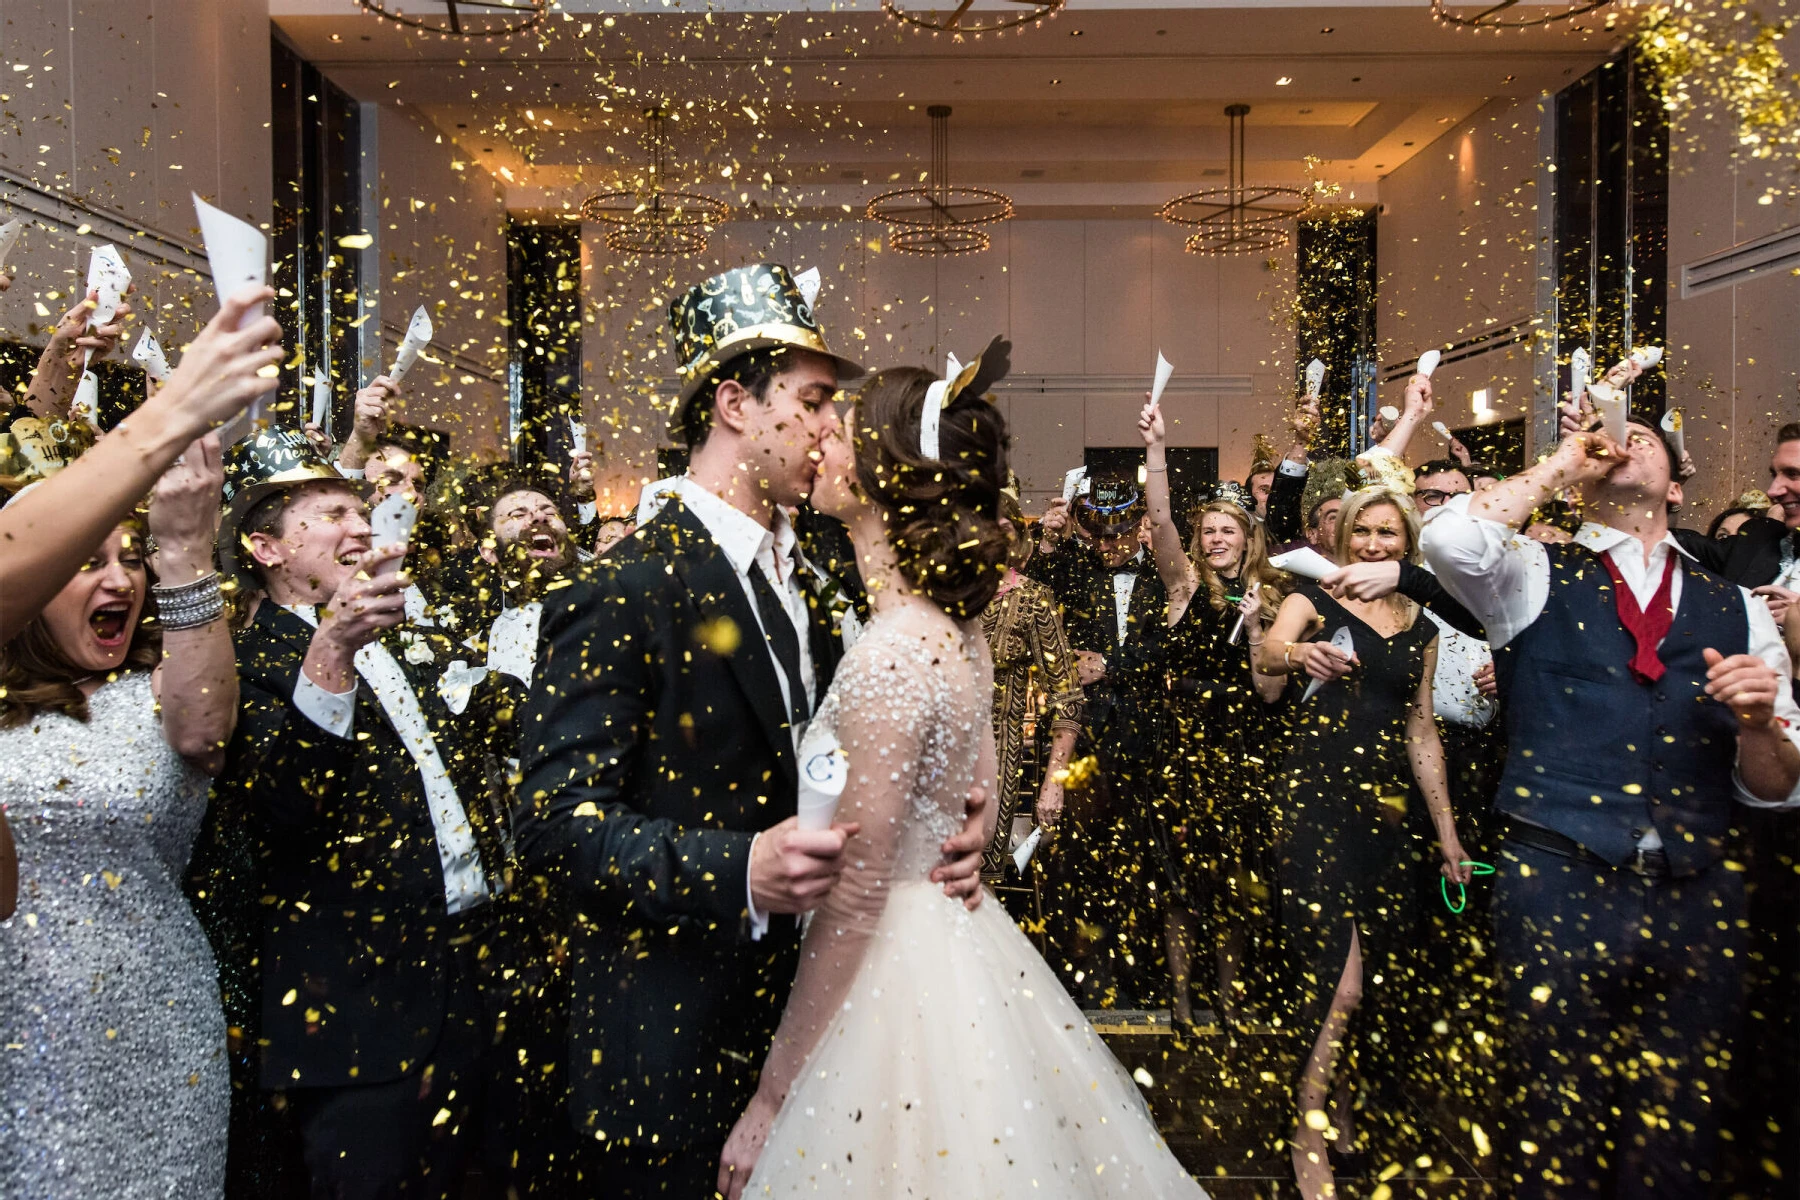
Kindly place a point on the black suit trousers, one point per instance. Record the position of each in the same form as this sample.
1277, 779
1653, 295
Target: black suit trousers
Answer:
482, 1098
1624, 997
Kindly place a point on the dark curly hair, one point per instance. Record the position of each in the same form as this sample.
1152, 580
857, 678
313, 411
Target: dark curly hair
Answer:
943, 514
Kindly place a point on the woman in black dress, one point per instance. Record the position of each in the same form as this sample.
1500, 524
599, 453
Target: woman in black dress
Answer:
1209, 817
1364, 748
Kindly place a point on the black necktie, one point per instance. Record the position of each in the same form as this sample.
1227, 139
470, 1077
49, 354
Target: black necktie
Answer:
778, 628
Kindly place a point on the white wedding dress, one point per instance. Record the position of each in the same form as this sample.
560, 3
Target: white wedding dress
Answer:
941, 1056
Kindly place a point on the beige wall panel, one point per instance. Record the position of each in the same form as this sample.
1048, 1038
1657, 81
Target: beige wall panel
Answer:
1047, 299
1117, 330
974, 298
1183, 303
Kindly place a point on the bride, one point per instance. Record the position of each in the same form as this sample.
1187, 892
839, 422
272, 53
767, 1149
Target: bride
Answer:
927, 1050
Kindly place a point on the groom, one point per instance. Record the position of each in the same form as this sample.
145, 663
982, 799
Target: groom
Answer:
659, 780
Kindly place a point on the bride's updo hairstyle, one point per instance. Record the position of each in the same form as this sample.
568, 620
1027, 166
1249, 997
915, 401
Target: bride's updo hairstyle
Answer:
942, 514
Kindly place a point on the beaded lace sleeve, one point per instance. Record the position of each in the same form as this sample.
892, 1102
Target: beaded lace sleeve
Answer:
884, 702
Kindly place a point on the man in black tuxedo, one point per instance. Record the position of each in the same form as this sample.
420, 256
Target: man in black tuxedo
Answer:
351, 871
658, 754
1112, 604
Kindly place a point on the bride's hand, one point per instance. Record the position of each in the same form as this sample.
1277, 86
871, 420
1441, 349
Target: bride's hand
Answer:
745, 1146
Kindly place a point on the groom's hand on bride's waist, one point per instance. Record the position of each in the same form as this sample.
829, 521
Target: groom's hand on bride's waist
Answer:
960, 868
792, 868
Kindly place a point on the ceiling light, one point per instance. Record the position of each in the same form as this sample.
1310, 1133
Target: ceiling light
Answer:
337, 37
1238, 218
648, 218
1284, 81
965, 19
1327, 29
1445, 120
462, 18
1502, 14
938, 218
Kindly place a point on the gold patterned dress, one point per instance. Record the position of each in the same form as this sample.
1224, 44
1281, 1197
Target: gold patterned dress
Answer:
1031, 657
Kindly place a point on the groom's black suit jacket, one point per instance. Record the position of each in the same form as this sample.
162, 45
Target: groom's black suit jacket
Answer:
654, 747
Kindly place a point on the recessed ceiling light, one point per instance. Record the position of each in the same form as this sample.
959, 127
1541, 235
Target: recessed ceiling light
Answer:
1444, 120
1074, 33
1054, 82
1356, 79
1284, 81
1306, 112
337, 37
1162, 33
1327, 29
1406, 143
1508, 79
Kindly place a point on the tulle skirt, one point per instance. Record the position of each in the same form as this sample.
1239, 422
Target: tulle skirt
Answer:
960, 1069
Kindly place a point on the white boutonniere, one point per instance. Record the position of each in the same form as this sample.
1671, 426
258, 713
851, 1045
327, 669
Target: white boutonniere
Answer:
418, 650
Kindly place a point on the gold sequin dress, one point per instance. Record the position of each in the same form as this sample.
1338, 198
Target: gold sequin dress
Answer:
1031, 657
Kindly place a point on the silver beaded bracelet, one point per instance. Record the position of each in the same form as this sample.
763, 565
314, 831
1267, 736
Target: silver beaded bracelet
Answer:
189, 605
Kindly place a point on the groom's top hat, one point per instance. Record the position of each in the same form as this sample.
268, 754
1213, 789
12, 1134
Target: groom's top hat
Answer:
750, 308
269, 461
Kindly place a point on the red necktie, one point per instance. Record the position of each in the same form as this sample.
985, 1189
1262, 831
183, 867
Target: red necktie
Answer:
1647, 627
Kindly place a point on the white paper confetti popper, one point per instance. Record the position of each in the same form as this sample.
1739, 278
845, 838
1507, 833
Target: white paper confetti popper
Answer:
1581, 372
321, 403
1610, 402
1072, 484
418, 336
237, 253
824, 769
109, 279
1443, 431
1305, 562
1671, 425
1646, 356
1428, 362
577, 436
148, 354
9, 237
1022, 855
1343, 641
392, 522
1164, 369
1315, 377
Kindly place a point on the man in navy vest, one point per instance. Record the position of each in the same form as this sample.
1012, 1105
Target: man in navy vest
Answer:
1644, 696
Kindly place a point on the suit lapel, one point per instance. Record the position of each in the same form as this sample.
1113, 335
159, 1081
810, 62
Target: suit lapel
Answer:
719, 596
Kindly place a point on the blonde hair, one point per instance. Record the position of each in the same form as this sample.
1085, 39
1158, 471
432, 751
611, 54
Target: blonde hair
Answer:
1374, 497
1254, 568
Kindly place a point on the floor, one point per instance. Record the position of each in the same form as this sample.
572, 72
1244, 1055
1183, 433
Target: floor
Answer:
1219, 1096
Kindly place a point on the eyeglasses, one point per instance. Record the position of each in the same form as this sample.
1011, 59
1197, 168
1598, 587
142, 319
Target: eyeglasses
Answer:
1432, 497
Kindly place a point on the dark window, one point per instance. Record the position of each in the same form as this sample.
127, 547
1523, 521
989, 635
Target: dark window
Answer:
317, 149
543, 301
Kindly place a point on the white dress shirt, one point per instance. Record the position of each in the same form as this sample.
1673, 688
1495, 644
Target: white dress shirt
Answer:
513, 641
1125, 579
1454, 697
748, 545
1503, 577
465, 879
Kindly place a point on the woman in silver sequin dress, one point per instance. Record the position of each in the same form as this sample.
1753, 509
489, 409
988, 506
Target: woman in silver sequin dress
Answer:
112, 1041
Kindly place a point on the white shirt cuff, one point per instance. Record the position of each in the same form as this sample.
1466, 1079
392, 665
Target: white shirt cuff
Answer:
1288, 466
759, 922
330, 711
